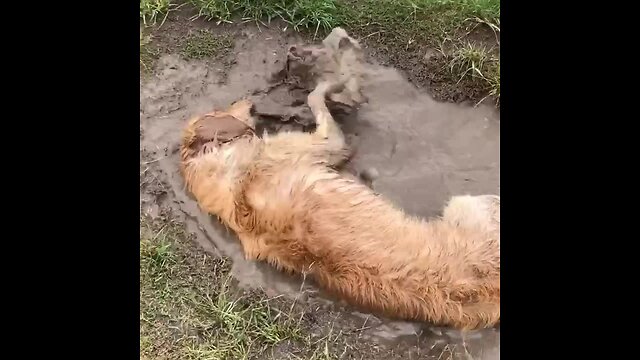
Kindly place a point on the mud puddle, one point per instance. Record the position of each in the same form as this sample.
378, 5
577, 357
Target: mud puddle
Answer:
417, 152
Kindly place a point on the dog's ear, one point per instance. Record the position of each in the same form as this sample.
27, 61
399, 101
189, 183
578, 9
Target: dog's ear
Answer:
221, 127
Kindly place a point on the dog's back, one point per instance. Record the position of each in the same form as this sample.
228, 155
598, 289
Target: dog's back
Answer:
358, 246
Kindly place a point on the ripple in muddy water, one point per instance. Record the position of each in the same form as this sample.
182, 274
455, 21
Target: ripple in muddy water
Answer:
422, 152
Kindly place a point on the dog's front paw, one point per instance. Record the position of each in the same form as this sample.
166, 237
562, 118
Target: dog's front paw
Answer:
249, 247
251, 255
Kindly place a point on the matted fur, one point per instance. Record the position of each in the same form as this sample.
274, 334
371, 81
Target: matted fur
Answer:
289, 207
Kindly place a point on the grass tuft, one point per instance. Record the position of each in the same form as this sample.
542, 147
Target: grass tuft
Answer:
469, 60
204, 44
477, 63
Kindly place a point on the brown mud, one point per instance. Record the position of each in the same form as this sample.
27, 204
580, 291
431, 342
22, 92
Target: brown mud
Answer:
412, 149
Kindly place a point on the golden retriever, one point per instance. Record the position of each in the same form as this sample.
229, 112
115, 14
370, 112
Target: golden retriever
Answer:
288, 206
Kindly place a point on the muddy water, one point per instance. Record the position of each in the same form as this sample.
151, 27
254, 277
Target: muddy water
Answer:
420, 151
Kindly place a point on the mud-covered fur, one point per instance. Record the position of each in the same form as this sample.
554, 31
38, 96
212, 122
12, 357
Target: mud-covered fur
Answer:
289, 207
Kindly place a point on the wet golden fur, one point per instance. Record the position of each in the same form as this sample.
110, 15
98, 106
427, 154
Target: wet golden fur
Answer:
289, 207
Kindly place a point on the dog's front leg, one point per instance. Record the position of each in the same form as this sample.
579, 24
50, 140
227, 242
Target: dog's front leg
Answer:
328, 133
326, 127
327, 144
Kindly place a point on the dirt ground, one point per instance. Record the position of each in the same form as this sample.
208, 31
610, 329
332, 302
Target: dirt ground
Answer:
420, 151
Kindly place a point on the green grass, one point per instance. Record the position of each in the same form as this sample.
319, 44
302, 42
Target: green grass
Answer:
477, 62
469, 60
301, 14
408, 16
326, 14
153, 10
188, 308
204, 44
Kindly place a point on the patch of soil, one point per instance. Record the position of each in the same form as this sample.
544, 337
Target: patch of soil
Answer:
412, 149
425, 67
417, 62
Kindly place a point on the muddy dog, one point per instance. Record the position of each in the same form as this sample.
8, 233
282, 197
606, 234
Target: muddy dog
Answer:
289, 206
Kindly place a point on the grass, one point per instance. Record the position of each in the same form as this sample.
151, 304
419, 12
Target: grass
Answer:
478, 63
153, 10
426, 20
204, 44
391, 15
469, 60
200, 45
188, 308
301, 14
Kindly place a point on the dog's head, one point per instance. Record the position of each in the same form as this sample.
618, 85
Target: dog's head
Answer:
210, 131
212, 155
